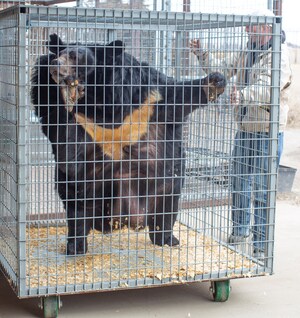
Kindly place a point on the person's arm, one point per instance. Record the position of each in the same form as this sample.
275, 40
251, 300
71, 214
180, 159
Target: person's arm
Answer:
213, 62
286, 72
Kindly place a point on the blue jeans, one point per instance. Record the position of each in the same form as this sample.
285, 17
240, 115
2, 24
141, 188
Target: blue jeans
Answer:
250, 176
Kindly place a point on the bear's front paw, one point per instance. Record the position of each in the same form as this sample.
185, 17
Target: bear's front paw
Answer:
163, 238
71, 92
214, 85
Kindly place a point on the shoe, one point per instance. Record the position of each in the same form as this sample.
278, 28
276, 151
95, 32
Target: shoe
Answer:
258, 254
236, 239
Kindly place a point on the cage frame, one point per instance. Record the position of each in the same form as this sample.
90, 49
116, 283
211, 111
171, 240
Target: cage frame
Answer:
27, 16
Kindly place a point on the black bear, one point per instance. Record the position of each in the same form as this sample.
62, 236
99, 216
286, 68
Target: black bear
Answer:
115, 126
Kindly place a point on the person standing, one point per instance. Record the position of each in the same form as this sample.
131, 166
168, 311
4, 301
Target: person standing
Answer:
251, 99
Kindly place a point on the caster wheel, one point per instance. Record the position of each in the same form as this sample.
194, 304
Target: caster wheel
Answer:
220, 290
50, 306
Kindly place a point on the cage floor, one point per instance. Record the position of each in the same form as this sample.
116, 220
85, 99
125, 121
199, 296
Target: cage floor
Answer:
125, 255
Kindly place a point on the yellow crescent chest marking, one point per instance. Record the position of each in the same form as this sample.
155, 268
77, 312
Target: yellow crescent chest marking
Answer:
134, 126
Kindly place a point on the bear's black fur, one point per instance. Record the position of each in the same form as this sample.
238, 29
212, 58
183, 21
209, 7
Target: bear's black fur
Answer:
140, 182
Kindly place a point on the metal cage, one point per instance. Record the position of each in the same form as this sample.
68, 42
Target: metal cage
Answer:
33, 221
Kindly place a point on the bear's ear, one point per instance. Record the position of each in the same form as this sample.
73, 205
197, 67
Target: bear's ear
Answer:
55, 44
115, 48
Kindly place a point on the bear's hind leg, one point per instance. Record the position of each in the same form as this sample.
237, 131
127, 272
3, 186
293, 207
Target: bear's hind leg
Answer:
161, 222
78, 229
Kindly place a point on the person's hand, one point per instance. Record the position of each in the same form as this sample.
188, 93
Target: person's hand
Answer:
195, 46
235, 96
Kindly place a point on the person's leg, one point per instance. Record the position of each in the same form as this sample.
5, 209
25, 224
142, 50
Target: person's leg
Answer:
241, 187
280, 146
261, 187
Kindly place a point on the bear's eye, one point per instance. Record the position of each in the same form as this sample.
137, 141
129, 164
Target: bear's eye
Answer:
72, 55
77, 56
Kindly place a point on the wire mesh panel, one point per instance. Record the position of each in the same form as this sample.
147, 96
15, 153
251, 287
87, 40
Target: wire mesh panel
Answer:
207, 6
116, 149
9, 141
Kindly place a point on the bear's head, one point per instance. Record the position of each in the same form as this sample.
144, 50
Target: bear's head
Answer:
75, 63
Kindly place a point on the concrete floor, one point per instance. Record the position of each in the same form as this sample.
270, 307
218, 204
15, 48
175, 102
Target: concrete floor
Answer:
276, 296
